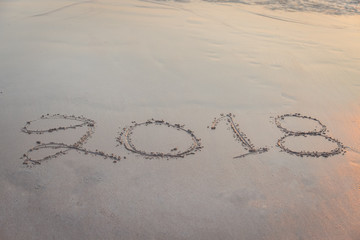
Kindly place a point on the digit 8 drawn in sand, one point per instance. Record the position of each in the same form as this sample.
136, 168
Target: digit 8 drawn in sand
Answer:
321, 133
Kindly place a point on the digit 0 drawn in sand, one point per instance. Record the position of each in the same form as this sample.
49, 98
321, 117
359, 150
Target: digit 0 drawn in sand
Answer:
78, 146
240, 136
340, 148
125, 138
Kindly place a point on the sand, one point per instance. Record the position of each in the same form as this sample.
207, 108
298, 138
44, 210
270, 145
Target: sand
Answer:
122, 63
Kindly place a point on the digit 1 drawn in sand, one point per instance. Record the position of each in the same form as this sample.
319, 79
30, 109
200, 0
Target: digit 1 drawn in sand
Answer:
240, 136
78, 146
321, 133
125, 139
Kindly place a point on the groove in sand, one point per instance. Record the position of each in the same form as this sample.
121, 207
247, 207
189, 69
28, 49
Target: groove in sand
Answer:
288, 133
125, 139
239, 135
78, 146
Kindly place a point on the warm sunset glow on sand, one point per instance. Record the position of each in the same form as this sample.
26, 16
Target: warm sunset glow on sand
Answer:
180, 119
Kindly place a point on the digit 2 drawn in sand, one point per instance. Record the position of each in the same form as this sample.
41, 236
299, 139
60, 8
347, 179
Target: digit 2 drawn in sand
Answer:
83, 122
321, 133
240, 136
126, 134
125, 139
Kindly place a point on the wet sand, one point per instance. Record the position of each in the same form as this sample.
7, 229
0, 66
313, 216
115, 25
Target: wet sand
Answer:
116, 65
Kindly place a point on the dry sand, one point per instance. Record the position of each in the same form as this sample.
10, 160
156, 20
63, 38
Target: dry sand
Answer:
185, 62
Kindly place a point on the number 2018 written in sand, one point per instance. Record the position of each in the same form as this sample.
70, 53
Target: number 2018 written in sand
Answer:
125, 138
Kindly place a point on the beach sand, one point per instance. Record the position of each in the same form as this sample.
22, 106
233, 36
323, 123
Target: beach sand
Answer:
121, 63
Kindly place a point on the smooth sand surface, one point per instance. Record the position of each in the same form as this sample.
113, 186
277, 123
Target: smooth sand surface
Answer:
185, 62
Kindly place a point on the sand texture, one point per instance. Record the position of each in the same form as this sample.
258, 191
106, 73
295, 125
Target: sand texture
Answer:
193, 120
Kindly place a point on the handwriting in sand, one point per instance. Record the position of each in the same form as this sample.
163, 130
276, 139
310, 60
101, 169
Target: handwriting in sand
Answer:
125, 139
